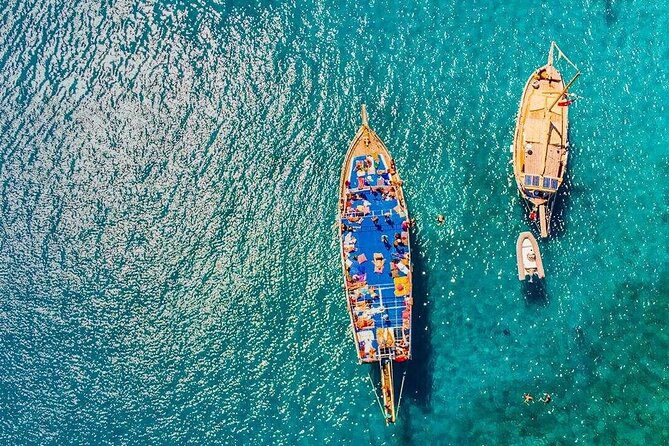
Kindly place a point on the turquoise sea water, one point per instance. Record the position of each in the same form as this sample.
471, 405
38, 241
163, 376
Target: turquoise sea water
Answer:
168, 262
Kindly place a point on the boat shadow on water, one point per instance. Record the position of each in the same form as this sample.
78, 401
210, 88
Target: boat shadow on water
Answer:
420, 370
417, 389
535, 293
558, 225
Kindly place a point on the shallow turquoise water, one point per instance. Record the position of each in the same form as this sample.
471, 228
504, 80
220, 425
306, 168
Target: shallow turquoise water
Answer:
168, 261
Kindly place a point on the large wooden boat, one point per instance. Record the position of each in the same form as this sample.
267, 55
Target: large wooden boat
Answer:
528, 257
376, 258
540, 147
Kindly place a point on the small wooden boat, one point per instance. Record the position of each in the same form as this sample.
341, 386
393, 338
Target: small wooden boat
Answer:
376, 258
540, 147
529, 257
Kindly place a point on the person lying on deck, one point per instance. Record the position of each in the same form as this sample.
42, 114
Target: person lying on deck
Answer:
384, 239
362, 305
399, 241
364, 207
393, 269
355, 285
359, 168
369, 163
402, 347
379, 262
389, 193
363, 322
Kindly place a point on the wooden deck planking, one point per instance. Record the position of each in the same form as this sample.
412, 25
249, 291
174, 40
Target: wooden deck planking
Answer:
540, 142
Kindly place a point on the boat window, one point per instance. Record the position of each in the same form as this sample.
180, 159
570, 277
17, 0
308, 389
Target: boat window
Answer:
554, 183
547, 183
535, 180
528, 180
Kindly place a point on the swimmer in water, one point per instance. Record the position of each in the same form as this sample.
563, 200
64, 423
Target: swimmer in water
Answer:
546, 399
440, 219
527, 398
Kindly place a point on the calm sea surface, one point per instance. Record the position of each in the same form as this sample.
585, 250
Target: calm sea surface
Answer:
168, 185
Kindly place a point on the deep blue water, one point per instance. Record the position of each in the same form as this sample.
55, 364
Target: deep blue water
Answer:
168, 261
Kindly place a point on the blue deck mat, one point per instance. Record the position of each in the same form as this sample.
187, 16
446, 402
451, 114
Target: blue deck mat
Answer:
369, 240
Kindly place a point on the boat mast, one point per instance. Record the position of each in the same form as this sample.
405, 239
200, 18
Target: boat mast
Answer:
387, 390
564, 91
550, 54
365, 123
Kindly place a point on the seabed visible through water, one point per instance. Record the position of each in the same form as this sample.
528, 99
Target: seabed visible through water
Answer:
168, 262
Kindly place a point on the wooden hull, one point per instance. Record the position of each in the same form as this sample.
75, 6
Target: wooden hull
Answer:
367, 142
528, 257
375, 250
540, 147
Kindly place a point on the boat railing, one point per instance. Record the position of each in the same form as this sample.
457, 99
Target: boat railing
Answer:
371, 213
396, 322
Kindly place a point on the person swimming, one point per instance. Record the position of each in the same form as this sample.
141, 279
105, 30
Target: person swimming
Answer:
527, 398
546, 399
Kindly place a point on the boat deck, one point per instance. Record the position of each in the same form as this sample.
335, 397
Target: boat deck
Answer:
528, 257
541, 140
374, 231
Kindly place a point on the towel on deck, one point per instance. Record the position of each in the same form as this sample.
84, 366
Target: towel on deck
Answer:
366, 335
363, 209
402, 286
403, 268
400, 211
385, 337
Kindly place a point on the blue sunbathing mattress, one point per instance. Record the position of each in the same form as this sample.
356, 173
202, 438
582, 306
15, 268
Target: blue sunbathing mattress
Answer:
375, 249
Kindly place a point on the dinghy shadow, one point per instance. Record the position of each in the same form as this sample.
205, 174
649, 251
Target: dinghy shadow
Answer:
534, 292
